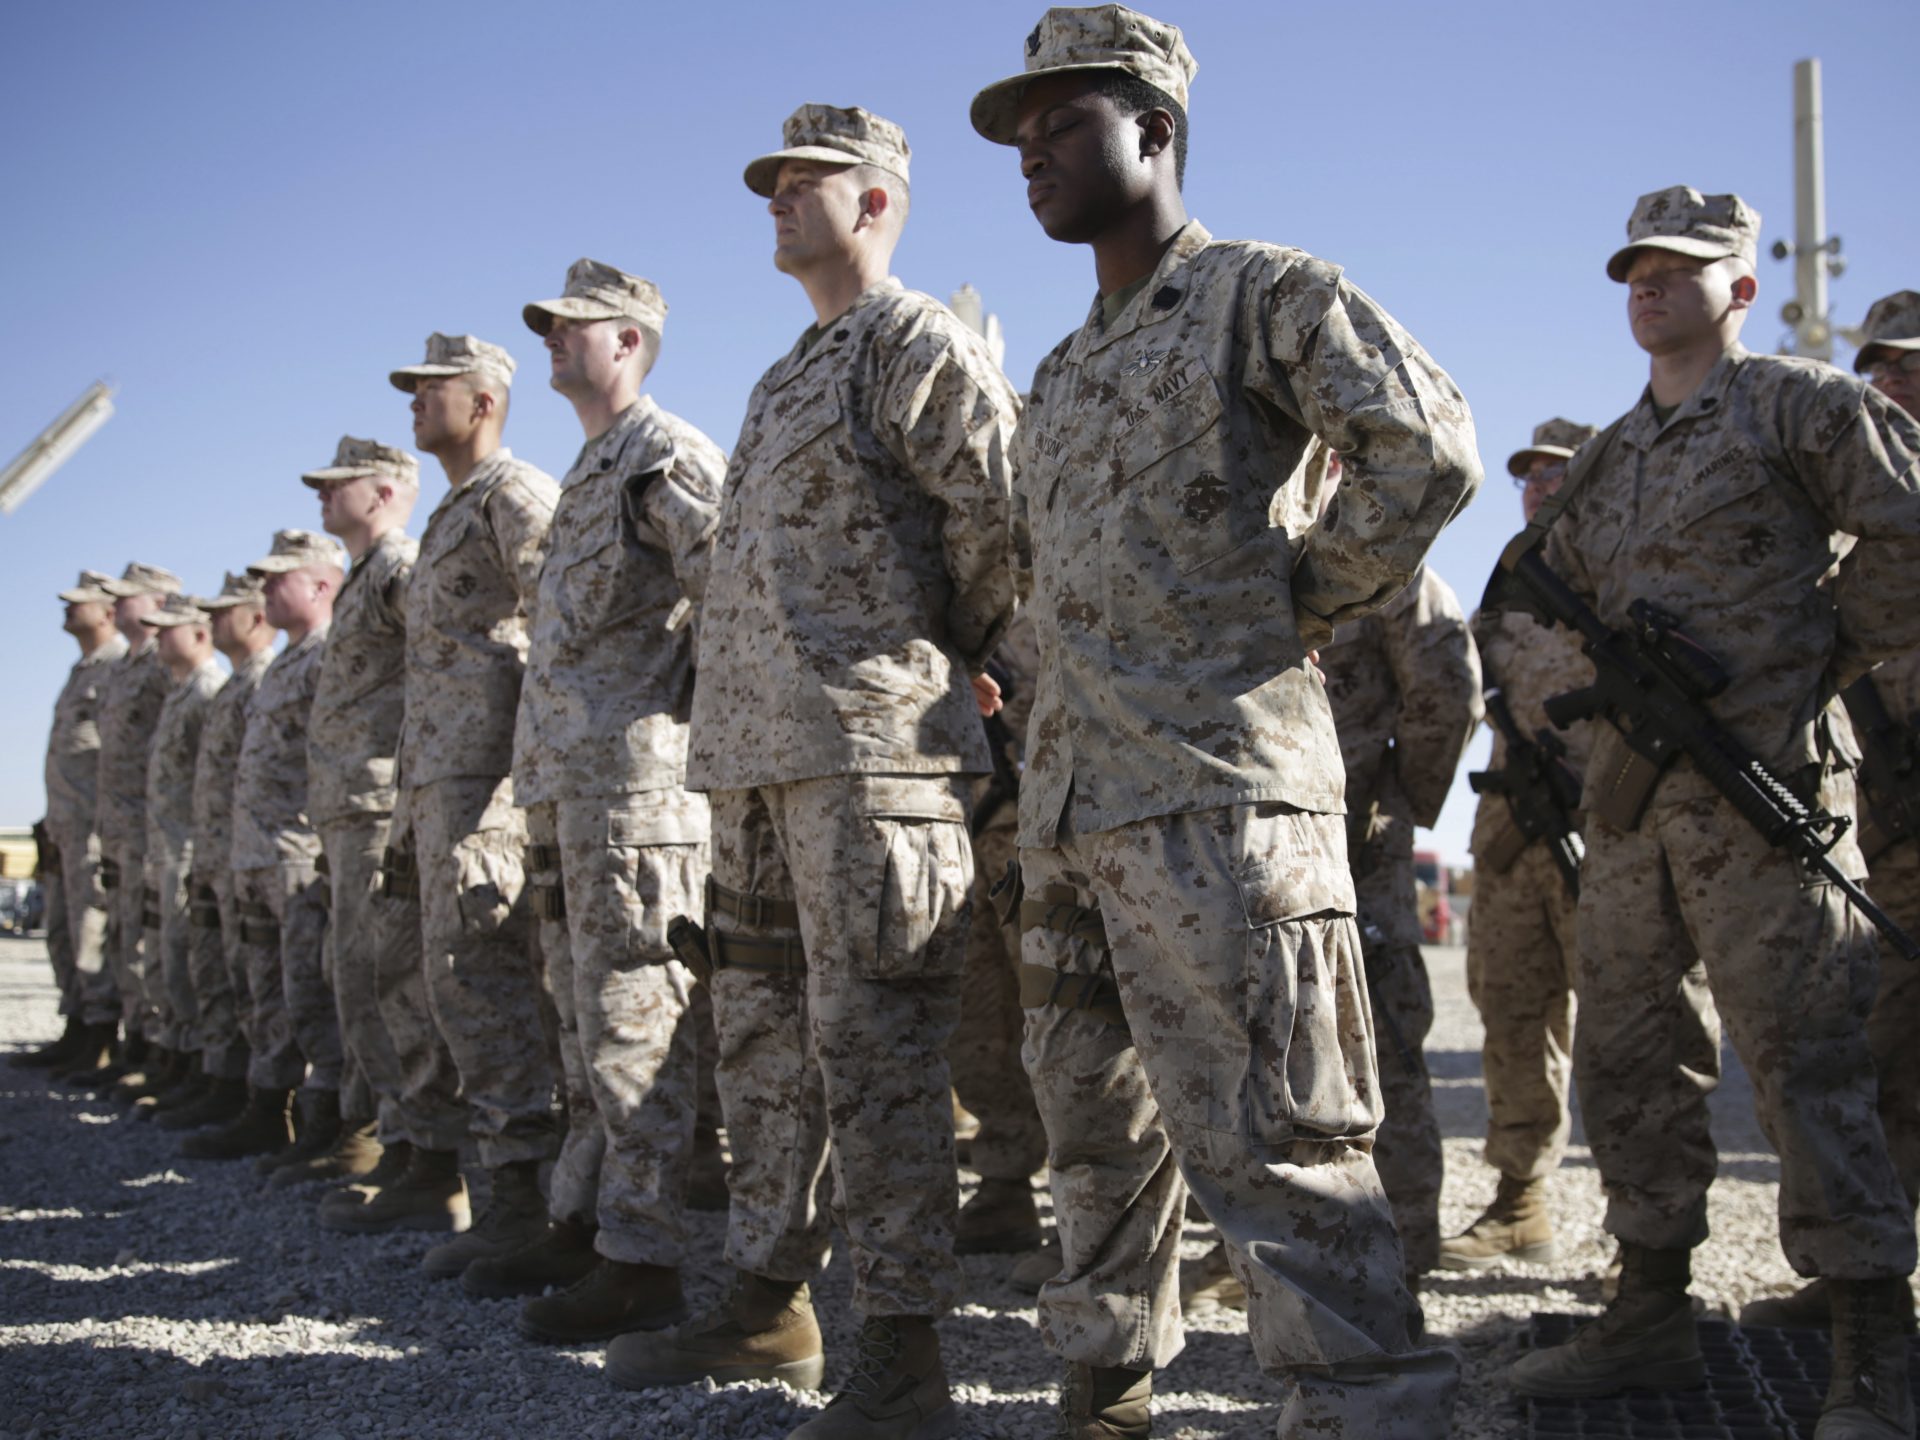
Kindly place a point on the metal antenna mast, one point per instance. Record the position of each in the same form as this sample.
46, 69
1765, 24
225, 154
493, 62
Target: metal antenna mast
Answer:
49, 450
1815, 254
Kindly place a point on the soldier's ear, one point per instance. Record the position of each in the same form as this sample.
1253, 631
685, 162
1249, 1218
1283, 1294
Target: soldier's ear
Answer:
1745, 288
1156, 132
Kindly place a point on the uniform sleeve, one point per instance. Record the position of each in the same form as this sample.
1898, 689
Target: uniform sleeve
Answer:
1858, 454
1404, 432
1436, 671
949, 415
390, 600
520, 511
678, 510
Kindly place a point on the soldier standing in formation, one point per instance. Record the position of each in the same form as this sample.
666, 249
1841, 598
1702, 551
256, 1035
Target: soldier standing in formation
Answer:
1180, 813
373, 941
76, 905
1723, 446
467, 604
241, 632
860, 577
185, 645
619, 846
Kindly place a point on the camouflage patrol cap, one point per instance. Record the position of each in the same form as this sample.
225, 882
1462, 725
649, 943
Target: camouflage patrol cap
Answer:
599, 292
1557, 439
833, 136
1098, 37
1681, 219
1892, 323
142, 579
90, 589
455, 355
297, 549
178, 610
354, 458
245, 588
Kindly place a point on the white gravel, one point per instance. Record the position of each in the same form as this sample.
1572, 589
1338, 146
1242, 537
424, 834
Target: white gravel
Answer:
142, 1295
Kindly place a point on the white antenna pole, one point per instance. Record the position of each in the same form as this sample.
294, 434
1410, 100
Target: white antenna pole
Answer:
1816, 255
50, 449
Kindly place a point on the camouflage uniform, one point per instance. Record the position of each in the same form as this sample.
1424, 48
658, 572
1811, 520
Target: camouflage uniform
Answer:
599, 760
1183, 779
373, 938
220, 984
859, 575
73, 773
1404, 684
473, 585
1895, 871
173, 1016
278, 890
985, 1050
1520, 942
130, 702
1791, 451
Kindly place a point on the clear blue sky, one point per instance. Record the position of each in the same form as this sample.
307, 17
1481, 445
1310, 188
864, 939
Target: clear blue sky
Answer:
243, 215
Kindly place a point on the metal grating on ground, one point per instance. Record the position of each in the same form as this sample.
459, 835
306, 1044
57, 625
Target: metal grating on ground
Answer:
1761, 1385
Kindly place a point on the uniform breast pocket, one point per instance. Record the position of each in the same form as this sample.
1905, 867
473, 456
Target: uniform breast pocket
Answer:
1188, 505
803, 418
1734, 481
461, 568
599, 584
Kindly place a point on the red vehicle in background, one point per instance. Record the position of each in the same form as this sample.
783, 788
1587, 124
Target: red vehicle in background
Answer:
1436, 913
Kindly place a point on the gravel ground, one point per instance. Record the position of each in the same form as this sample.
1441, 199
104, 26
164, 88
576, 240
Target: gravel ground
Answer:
142, 1295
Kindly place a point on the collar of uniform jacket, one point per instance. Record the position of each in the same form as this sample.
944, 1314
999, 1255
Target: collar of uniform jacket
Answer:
1644, 428
1150, 306
802, 357
636, 454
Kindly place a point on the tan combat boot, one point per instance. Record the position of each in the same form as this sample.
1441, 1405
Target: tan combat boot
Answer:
1516, 1226
563, 1255
355, 1151
1032, 1271
612, 1299
1106, 1403
1209, 1284
315, 1130
222, 1103
516, 1216
897, 1391
54, 1053
152, 1075
192, 1086
266, 1125
999, 1219
429, 1195
129, 1057
92, 1053
1808, 1308
1869, 1396
763, 1330
1643, 1340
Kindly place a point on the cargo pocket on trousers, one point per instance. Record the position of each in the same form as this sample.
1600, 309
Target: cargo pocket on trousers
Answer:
1310, 1071
657, 847
923, 875
491, 880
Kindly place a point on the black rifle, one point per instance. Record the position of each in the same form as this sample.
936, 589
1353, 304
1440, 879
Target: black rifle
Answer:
1889, 769
1003, 786
1541, 791
1650, 682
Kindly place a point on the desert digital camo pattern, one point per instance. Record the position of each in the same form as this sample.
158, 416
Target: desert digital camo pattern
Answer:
291, 1003
73, 744
984, 1053
609, 683
140, 578
847, 1061
73, 775
270, 820
1892, 323
1681, 219
360, 696
473, 584
132, 692
1786, 449
594, 291
1093, 37
1554, 439
1248, 1073
1730, 517
629, 1038
170, 859
861, 570
1521, 944
452, 355
831, 135
483, 988
218, 762
1404, 684
1180, 568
